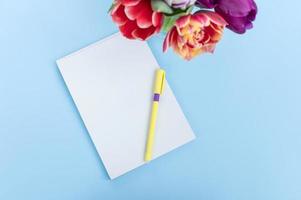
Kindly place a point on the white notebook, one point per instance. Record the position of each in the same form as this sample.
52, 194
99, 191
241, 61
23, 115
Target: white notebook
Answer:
111, 84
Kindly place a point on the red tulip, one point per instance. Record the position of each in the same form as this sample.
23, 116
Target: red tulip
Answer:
136, 19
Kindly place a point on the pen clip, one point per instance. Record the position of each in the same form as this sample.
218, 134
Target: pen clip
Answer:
159, 81
162, 82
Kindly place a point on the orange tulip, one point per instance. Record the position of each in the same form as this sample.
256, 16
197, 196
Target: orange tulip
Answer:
195, 34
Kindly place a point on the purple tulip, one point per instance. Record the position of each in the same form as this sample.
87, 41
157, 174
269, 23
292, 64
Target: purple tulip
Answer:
207, 3
238, 13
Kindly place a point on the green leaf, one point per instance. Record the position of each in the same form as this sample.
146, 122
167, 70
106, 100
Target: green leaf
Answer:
189, 10
111, 8
161, 6
169, 22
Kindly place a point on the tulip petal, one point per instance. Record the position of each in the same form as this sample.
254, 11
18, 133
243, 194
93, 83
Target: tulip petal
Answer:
201, 18
157, 19
144, 19
143, 34
183, 21
118, 15
207, 3
237, 8
166, 42
215, 18
133, 12
129, 2
127, 29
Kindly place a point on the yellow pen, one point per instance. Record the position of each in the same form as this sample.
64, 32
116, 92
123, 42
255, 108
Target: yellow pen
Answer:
158, 89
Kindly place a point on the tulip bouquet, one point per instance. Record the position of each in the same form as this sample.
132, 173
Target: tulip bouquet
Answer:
188, 32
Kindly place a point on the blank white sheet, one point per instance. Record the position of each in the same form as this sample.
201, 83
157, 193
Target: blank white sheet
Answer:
111, 84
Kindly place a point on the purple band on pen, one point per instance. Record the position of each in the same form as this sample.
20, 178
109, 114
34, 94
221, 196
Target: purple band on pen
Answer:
156, 97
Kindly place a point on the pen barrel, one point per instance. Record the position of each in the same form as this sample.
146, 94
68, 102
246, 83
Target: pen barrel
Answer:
151, 132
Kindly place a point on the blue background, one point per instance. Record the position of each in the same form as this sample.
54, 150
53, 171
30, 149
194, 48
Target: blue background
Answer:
243, 102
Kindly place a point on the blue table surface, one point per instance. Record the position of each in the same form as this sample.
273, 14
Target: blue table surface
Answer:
243, 102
